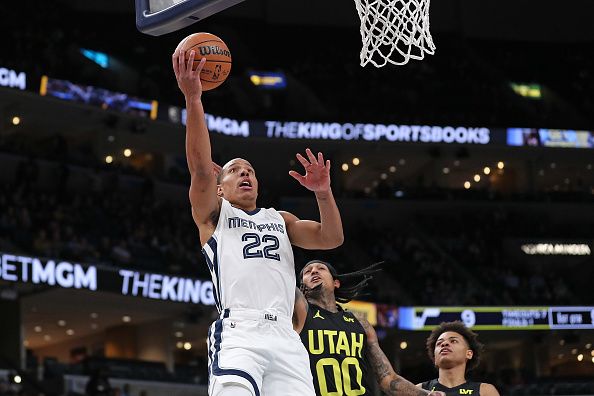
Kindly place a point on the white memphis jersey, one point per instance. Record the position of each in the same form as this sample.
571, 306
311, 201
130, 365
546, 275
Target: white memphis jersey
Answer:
251, 261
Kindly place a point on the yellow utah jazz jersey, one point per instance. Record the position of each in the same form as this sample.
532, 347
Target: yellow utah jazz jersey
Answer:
336, 344
467, 388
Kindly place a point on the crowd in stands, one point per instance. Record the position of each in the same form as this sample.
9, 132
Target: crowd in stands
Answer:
99, 224
476, 241
454, 258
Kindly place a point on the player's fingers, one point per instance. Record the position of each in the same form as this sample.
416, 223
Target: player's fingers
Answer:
200, 66
311, 156
182, 61
302, 160
328, 166
190, 64
174, 61
320, 158
297, 176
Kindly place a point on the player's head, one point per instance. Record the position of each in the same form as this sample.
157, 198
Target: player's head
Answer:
452, 344
319, 277
237, 182
318, 274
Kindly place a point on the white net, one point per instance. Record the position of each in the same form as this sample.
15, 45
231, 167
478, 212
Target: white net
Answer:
394, 31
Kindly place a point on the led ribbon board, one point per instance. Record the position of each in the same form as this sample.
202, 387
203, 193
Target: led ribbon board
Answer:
498, 318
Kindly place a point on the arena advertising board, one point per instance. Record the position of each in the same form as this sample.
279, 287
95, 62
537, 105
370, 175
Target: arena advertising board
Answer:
98, 97
307, 130
563, 138
556, 249
349, 131
498, 318
52, 272
366, 309
13, 78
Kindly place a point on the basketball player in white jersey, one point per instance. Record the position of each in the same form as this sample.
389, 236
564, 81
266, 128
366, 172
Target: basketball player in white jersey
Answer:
253, 349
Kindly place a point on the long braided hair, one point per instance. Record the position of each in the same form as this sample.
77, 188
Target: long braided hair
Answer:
347, 291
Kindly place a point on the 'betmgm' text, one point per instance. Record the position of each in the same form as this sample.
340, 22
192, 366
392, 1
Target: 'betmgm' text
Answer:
15, 268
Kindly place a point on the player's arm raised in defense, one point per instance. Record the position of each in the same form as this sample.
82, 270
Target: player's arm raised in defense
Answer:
390, 383
203, 188
308, 234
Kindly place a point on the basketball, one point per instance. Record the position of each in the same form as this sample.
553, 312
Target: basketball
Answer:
218, 58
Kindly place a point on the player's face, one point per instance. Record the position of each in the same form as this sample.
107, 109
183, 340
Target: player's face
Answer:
451, 350
316, 273
239, 183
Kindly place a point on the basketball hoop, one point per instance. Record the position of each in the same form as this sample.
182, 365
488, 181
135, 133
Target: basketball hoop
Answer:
394, 31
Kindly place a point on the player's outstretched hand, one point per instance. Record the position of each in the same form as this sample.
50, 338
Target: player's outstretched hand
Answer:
188, 80
317, 172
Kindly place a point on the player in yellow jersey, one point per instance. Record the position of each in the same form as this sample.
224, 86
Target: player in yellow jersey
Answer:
455, 350
343, 348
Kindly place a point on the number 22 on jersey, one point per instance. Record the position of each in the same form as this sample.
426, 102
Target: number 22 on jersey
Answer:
260, 247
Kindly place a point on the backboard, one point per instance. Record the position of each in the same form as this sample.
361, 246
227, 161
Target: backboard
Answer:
158, 17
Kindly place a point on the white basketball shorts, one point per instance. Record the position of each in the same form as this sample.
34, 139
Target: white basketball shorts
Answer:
259, 350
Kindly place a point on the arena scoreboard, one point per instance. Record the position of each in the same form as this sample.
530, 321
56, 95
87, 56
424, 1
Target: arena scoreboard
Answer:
498, 318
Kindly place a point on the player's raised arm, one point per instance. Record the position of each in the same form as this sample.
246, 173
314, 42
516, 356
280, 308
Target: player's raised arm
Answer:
203, 197
307, 234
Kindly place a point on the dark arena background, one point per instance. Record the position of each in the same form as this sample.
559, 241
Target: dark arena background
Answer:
469, 173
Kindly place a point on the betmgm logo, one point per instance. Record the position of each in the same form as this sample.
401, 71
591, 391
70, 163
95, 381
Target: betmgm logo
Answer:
12, 79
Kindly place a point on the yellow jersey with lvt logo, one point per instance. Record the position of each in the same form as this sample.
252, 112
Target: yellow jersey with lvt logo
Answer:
467, 388
336, 344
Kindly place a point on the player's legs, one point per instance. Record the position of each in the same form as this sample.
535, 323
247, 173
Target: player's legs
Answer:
230, 389
234, 357
289, 372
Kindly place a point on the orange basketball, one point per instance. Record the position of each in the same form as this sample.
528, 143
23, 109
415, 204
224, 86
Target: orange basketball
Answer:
218, 58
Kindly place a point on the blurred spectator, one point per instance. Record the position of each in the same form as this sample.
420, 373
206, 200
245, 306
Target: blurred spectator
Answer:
98, 384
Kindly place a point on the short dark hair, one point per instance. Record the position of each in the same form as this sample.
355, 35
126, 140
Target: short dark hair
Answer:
470, 336
222, 172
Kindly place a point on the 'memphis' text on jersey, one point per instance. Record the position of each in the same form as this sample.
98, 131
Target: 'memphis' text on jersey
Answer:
236, 222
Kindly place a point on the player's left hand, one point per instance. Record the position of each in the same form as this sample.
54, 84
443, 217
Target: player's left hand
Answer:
317, 172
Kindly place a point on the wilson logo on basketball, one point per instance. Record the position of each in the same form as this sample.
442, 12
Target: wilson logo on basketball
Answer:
213, 50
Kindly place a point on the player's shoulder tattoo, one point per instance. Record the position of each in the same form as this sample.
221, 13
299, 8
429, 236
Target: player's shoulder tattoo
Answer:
361, 318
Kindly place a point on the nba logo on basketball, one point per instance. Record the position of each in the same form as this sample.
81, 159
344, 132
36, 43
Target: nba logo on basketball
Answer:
217, 72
